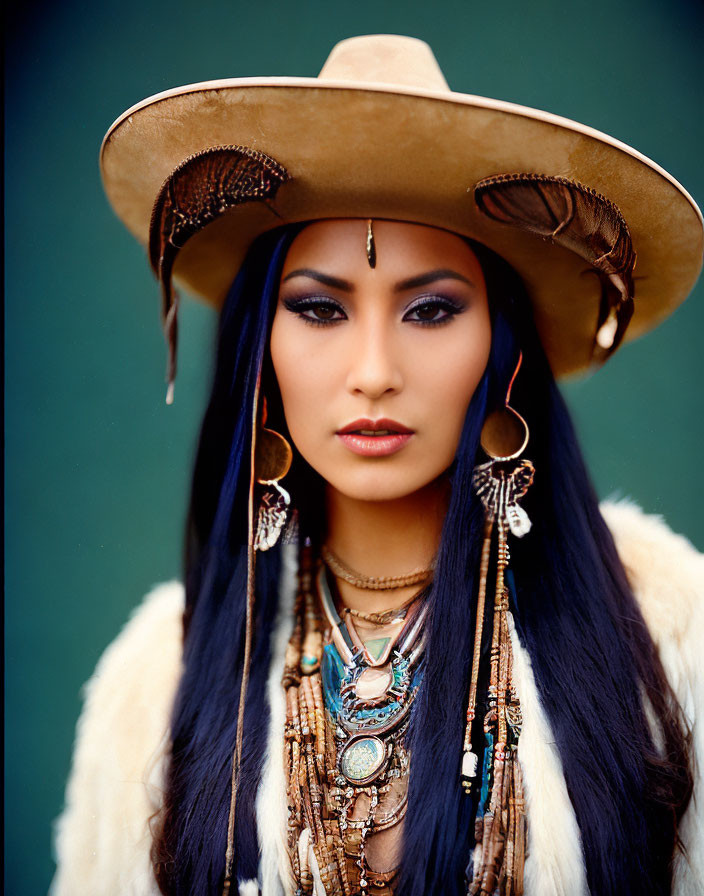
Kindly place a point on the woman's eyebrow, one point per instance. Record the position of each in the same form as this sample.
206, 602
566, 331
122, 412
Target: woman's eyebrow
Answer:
431, 277
402, 286
325, 279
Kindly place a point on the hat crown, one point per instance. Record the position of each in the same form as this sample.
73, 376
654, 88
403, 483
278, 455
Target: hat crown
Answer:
385, 59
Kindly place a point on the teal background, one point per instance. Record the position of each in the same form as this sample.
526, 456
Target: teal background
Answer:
96, 466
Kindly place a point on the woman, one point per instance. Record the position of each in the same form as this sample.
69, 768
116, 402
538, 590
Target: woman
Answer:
416, 657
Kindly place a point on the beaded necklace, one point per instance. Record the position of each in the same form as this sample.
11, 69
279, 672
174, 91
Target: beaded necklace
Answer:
347, 713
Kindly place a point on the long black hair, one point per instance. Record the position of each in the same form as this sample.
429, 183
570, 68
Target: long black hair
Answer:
592, 656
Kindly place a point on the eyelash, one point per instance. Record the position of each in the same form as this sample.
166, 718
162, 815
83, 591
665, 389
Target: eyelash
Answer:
310, 303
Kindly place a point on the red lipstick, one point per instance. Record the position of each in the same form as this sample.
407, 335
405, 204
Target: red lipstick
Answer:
374, 438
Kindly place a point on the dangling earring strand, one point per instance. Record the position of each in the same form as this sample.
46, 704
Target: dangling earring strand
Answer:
501, 823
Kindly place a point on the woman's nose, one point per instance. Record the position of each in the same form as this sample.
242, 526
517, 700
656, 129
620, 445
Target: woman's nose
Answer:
374, 367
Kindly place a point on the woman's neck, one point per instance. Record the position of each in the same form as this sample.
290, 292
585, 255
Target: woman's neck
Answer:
385, 538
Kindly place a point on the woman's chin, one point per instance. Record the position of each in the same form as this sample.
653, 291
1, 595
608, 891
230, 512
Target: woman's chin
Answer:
379, 486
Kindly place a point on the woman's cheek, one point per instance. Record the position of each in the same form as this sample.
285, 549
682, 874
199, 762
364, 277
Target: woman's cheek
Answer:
451, 384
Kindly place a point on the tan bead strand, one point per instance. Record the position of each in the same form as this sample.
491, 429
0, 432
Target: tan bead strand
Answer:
478, 629
326, 860
298, 767
300, 868
502, 606
321, 727
289, 740
295, 776
342, 865
300, 808
502, 829
292, 661
312, 766
337, 864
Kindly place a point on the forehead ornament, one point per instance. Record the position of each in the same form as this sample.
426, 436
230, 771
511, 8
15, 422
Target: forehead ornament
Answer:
371, 244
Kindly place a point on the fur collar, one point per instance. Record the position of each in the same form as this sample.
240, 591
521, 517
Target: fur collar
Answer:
102, 837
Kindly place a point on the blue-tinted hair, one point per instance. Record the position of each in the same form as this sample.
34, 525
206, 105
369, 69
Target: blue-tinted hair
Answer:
575, 614
589, 647
190, 833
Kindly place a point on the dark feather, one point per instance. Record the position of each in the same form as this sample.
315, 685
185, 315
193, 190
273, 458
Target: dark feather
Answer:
577, 218
197, 192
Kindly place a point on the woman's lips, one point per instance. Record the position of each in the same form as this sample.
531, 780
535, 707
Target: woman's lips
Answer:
374, 438
375, 446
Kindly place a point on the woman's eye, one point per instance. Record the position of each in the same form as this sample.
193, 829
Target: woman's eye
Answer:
324, 312
436, 311
315, 312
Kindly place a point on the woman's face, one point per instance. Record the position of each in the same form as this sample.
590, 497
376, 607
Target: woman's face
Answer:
396, 350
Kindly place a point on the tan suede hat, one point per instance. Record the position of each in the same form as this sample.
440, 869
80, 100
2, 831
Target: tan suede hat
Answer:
379, 134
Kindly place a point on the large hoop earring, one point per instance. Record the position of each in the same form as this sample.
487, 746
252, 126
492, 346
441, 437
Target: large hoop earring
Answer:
499, 484
272, 461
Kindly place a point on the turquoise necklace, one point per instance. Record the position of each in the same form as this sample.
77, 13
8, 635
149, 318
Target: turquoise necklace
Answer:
369, 690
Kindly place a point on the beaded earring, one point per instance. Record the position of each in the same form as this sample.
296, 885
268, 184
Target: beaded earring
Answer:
272, 461
501, 824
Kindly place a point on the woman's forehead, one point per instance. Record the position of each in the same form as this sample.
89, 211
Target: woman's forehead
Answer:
341, 244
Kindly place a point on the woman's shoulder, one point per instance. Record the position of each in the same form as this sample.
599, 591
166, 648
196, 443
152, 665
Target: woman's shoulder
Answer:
115, 783
666, 573
664, 569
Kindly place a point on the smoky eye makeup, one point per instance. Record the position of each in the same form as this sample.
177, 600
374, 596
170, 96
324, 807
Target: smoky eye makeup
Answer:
429, 310
433, 309
315, 310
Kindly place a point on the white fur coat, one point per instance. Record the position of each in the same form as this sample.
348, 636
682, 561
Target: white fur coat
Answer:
102, 837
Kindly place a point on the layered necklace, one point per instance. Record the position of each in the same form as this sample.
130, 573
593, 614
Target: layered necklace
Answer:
348, 707
348, 703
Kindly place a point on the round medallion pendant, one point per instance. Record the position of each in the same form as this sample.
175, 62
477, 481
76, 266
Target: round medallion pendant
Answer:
363, 760
373, 684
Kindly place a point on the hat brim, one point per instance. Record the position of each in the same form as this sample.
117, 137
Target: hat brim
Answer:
355, 150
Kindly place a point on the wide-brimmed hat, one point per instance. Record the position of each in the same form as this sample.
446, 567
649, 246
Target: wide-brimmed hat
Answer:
606, 241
